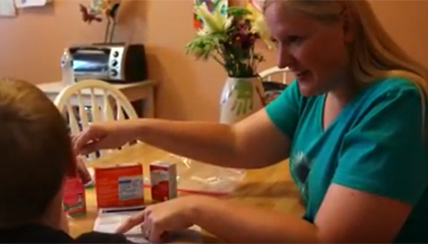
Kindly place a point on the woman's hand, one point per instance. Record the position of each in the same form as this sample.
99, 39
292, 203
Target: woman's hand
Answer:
82, 171
159, 219
104, 135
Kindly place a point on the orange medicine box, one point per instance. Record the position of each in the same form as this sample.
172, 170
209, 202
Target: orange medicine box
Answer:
74, 198
163, 180
119, 185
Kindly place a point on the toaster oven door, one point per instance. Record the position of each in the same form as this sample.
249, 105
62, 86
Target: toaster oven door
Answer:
91, 63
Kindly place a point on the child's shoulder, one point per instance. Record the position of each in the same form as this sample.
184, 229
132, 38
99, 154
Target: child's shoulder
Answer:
98, 237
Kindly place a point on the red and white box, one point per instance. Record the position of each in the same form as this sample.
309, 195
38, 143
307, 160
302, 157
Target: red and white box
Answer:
119, 185
163, 180
74, 197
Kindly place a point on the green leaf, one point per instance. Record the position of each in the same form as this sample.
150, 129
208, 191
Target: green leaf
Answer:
204, 46
220, 44
238, 12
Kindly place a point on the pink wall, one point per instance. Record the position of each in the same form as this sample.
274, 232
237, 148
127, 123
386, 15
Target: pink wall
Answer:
32, 43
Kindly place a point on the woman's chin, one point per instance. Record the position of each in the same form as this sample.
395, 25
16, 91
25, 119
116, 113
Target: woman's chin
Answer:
307, 86
308, 91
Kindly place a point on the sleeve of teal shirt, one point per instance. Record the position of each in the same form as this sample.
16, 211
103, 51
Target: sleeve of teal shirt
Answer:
284, 110
384, 154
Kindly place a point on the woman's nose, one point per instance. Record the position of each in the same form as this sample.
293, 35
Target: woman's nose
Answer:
285, 58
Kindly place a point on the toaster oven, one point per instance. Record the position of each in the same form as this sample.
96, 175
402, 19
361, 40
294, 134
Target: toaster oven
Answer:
110, 62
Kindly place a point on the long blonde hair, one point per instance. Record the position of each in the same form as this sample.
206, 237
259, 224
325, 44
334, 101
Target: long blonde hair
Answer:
374, 54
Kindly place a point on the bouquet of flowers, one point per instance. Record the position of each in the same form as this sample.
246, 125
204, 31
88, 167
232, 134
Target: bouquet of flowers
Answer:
98, 8
230, 38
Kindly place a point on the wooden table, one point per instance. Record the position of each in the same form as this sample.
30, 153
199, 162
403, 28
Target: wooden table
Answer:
270, 187
136, 91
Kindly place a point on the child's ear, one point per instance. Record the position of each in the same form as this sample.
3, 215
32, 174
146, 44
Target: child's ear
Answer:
72, 166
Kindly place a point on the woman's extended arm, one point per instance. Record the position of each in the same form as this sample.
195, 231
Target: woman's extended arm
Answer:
237, 223
346, 216
252, 143
242, 145
344, 209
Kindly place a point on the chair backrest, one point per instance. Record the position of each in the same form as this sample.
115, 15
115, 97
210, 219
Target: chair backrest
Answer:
276, 74
274, 81
89, 101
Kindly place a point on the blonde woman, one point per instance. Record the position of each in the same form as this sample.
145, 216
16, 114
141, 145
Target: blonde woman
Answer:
352, 125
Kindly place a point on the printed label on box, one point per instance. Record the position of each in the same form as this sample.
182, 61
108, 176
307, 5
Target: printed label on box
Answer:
119, 186
130, 187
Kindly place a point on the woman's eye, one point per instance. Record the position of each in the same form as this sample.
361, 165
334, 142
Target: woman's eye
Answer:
294, 39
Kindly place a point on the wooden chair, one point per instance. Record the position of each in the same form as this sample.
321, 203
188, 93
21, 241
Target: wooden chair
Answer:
275, 80
276, 74
89, 101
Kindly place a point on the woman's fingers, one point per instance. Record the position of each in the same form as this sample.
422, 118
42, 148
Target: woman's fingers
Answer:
151, 229
83, 172
155, 234
89, 148
131, 222
83, 141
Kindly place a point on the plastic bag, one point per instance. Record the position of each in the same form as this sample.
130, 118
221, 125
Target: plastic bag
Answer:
192, 176
202, 178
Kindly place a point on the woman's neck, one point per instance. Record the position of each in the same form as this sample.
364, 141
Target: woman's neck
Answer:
345, 91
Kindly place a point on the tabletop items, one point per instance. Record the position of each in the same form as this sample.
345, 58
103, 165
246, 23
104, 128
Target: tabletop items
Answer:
267, 188
163, 179
74, 197
108, 221
119, 191
119, 185
122, 185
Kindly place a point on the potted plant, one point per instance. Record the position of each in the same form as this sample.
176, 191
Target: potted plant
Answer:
230, 39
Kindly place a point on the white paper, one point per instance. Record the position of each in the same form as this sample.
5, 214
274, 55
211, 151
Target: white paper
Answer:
109, 222
7, 8
31, 3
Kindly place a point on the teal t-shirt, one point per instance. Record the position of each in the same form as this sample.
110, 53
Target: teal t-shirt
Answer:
375, 144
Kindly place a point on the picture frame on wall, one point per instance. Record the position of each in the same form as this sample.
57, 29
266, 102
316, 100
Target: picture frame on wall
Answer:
32, 3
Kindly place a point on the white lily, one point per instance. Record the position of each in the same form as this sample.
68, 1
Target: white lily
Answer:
98, 6
212, 22
259, 25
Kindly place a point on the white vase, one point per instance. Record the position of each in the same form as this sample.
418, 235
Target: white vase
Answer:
240, 98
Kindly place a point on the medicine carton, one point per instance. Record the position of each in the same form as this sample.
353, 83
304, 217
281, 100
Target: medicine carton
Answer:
163, 180
119, 185
74, 197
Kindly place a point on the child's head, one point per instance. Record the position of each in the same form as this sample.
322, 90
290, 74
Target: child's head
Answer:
35, 153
